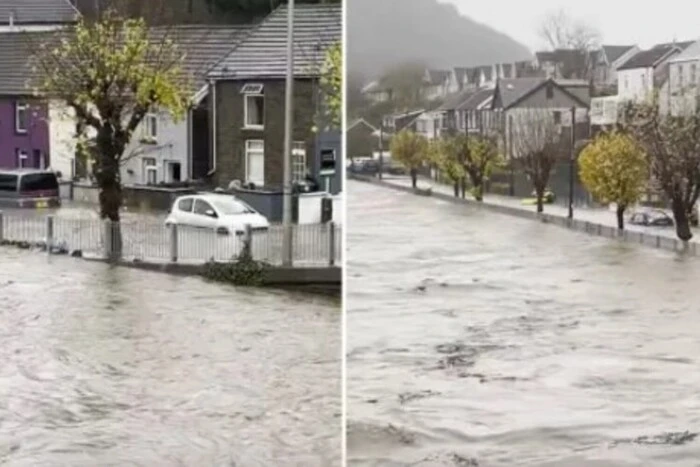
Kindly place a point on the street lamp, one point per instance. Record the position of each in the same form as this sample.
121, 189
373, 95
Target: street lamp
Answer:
572, 161
288, 119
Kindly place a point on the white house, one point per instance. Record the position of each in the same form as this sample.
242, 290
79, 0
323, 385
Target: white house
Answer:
684, 79
436, 84
641, 75
376, 93
163, 150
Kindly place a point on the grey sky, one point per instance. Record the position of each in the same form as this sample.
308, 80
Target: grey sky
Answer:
619, 21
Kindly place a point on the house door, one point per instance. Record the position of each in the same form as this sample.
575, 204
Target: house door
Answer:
255, 162
174, 173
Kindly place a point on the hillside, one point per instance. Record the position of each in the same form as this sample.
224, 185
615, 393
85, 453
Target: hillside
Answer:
386, 33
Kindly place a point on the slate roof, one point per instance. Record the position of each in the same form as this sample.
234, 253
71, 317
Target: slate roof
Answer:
453, 101
476, 99
437, 77
488, 72
460, 73
263, 53
507, 69
690, 53
512, 90
15, 69
613, 52
35, 12
203, 46
681, 45
647, 58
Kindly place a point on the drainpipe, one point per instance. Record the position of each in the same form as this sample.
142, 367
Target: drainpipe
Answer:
212, 83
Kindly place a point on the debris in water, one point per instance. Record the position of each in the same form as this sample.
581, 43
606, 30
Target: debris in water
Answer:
676, 438
412, 396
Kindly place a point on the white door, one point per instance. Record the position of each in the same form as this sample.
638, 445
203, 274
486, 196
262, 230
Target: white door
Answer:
202, 217
255, 162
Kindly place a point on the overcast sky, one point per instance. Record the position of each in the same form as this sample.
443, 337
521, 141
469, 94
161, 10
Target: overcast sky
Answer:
646, 25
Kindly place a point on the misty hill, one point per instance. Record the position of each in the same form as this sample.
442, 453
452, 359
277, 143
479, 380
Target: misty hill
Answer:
385, 33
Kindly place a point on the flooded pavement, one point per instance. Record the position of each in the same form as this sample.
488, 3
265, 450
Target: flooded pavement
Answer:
478, 339
114, 367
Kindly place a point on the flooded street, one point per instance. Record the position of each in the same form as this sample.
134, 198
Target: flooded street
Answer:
114, 367
478, 339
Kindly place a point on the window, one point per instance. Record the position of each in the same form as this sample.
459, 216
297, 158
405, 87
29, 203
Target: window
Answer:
298, 162
201, 207
185, 205
627, 83
253, 105
557, 117
8, 182
21, 117
255, 162
150, 127
150, 171
680, 78
22, 158
38, 182
693, 75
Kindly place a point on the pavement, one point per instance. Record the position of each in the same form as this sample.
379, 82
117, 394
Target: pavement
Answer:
600, 216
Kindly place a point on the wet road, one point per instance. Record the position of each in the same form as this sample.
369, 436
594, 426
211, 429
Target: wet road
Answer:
115, 367
477, 339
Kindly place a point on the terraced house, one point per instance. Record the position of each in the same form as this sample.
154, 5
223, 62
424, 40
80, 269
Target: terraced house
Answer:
249, 95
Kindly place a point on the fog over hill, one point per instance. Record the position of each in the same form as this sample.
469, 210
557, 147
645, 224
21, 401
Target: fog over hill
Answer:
384, 33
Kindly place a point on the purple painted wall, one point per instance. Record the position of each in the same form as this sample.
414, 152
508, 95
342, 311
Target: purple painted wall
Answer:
35, 142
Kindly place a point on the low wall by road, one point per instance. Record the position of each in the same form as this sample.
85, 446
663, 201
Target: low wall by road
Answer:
144, 198
591, 228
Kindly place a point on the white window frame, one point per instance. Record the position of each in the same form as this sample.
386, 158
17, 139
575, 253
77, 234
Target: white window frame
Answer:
21, 107
150, 126
22, 158
248, 152
250, 91
149, 169
298, 161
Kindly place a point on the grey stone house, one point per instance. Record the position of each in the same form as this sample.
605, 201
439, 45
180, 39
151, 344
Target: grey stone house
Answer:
248, 97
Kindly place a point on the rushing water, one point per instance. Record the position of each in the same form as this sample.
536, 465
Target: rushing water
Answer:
114, 367
476, 339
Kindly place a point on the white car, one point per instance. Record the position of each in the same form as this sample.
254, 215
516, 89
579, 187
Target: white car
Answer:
224, 213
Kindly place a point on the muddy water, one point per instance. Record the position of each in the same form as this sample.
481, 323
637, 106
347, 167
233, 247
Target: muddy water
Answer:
476, 339
116, 367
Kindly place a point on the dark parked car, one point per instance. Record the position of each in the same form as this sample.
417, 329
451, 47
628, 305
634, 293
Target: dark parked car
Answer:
653, 218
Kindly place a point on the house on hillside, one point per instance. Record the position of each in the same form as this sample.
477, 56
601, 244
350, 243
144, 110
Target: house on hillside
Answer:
469, 111
607, 60
248, 102
639, 76
163, 150
402, 121
36, 15
683, 90
376, 93
436, 84
564, 63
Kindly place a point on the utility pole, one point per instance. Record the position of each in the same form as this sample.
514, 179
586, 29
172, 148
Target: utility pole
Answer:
381, 147
572, 161
287, 240
511, 187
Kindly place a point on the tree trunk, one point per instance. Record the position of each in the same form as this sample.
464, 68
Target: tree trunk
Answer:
478, 190
463, 186
414, 178
456, 187
680, 216
539, 193
110, 190
621, 217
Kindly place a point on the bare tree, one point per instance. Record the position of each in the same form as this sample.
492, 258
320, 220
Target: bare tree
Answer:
536, 145
580, 39
672, 144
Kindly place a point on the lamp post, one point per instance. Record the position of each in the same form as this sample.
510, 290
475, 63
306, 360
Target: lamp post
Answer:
288, 117
572, 160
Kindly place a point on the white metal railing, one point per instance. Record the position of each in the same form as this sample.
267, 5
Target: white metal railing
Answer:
151, 240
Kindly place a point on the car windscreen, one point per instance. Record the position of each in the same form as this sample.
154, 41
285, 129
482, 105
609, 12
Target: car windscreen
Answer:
38, 182
8, 183
231, 207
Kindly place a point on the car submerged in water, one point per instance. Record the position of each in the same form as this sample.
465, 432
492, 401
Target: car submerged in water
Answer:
29, 188
651, 218
224, 213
